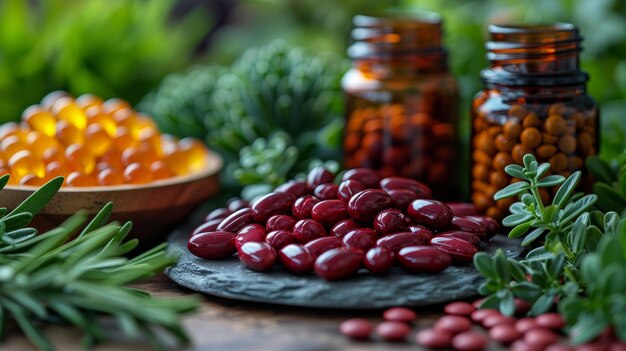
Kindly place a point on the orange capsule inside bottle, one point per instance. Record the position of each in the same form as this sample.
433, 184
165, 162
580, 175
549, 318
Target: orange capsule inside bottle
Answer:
79, 158
68, 133
137, 173
25, 162
40, 120
78, 179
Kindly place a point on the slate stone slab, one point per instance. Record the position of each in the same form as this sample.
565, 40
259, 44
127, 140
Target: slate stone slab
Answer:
230, 279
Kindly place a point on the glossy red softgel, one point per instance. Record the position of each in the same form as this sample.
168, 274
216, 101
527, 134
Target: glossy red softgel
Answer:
356, 328
399, 314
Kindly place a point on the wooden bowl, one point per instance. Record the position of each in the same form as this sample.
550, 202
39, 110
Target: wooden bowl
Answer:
154, 208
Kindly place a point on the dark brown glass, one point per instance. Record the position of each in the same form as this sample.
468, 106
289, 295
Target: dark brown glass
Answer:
401, 102
534, 101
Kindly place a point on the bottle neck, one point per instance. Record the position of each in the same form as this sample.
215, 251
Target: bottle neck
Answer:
534, 55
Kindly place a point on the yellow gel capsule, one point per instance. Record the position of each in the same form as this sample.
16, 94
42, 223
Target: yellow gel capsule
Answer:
12, 145
115, 104
97, 140
195, 151
39, 142
160, 170
67, 110
136, 173
25, 162
88, 100
106, 121
177, 162
32, 180
79, 158
68, 133
56, 169
53, 97
78, 179
110, 176
40, 120
123, 139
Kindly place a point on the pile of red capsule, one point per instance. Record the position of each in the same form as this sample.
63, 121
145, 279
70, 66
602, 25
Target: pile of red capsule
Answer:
334, 230
457, 330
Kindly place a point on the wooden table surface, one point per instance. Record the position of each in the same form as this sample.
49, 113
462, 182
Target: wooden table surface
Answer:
222, 325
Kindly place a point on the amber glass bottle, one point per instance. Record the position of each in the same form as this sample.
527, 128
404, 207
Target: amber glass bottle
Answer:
534, 101
401, 102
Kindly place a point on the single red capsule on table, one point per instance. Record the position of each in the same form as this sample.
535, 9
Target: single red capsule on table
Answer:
460, 250
469, 341
392, 183
271, 204
492, 226
326, 191
356, 328
296, 188
497, 319
212, 245
365, 205
453, 324
302, 207
393, 331
296, 258
552, 321
218, 213
318, 175
329, 212
540, 337
389, 221
379, 260
463, 209
401, 198
344, 227
209, 226
366, 176
469, 237
467, 225
459, 308
504, 333
258, 256
339, 263
280, 222
395, 242
430, 213
362, 238
320, 245
423, 259
236, 204
250, 233
434, 339
422, 232
348, 188
236, 221
399, 314
279, 238
306, 230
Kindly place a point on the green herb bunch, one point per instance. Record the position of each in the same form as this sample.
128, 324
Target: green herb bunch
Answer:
610, 185
563, 268
271, 100
77, 273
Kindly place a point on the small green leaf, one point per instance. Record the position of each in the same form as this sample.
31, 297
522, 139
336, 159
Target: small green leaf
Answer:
539, 254
566, 189
507, 304
511, 190
528, 159
501, 266
526, 290
543, 168
482, 262
575, 209
519, 230
515, 171
517, 270
543, 304
609, 198
4, 180
40, 198
552, 180
516, 219
532, 236
587, 328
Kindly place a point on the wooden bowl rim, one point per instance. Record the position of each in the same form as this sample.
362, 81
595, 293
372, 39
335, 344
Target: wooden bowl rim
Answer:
214, 164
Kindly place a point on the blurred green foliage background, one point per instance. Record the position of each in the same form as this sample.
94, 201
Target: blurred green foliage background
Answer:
123, 48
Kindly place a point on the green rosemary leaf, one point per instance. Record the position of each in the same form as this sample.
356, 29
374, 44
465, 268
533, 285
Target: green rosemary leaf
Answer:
4, 180
517, 270
33, 333
99, 220
15, 221
40, 198
577, 208
539, 254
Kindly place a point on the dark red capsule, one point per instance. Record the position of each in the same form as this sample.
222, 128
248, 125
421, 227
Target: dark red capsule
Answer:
469, 237
212, 245
479, 315
236, 221
296, 188
430, 213
318, 175
366, 176
236, 204
469, 341
463, 209
424, 234
258, 256
540, 337
362, 238
497, 319
522, 307
399, 314
504, 333
379, 260
209, 226
393, 331
339, 263
365, 205
296, 258
344, 227
453, 324
617, 346
356, 328
392, 183
326, 191
320, 245
401, 198
459, 308
467, 225
302, 207
251, 232
492, 226
423, 259
280, 222
218, 213
552, 321
397, 241
460, 250
279, 238
563, 347
348, 188
434, 339
271, 204
306, 230
389, 221
520, 345
329, 212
